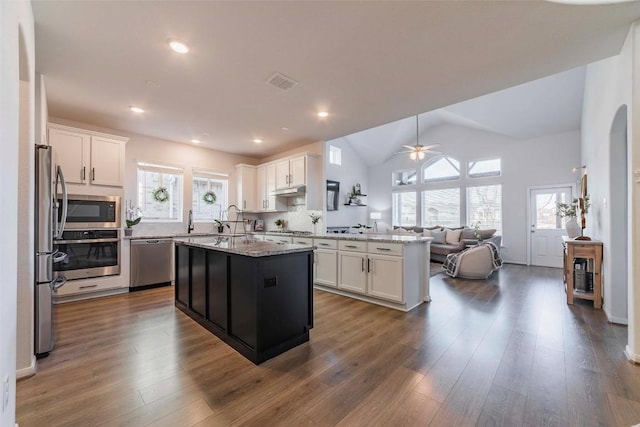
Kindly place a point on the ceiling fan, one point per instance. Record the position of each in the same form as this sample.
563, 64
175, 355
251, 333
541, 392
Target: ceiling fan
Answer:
418, 151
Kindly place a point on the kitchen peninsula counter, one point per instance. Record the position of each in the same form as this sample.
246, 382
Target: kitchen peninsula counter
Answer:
257, 296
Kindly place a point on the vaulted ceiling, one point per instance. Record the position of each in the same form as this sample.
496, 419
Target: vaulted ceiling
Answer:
366, 63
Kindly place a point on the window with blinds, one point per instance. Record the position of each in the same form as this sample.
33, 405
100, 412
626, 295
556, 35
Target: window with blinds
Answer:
441, 207
484, 206
204, 185
404, 209
151, 180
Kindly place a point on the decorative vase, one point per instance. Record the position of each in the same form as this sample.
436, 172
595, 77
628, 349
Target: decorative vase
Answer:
573, 228
128, 231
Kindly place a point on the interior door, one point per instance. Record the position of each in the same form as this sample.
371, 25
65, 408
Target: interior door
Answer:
546, 228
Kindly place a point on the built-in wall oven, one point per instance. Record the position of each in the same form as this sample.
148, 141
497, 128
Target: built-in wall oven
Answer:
92, 212
90, 253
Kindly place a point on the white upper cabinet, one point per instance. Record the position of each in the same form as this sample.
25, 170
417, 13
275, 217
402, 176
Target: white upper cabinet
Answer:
291, 172
88, 158
266, 184
246, 180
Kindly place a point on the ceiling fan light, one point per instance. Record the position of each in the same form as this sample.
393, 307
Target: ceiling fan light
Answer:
420, 155
413, 155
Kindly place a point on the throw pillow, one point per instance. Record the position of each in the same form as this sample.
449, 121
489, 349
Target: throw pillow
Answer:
452, 237
426, 233
435, 227
468, 233
485, 234
438, 236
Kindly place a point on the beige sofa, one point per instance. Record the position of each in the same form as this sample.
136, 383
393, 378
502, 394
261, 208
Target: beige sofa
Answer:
440, 248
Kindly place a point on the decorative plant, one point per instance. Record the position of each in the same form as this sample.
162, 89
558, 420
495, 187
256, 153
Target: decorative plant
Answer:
315, 218
279, 223
570, 210
133, 215
160, 194
209, 197
476, 230
221, 225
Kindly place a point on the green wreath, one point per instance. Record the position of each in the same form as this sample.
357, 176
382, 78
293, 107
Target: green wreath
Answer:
161, 195
209, 197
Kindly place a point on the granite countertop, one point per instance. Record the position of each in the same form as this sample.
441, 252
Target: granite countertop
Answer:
383, 238
167, 235
240, 246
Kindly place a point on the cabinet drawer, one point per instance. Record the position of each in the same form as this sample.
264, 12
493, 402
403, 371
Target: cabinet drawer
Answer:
385, 248
350, 245
86, 286
277, 239
325, 243
303, 241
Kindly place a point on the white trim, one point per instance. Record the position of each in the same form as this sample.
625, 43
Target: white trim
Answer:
86, 131
635, 358
28, 371
615, 319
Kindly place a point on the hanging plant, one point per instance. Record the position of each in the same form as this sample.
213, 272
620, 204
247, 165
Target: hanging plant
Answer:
209, 197
161, 195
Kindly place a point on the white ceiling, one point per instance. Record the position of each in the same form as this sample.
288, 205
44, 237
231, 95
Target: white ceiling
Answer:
542, 107
368, 63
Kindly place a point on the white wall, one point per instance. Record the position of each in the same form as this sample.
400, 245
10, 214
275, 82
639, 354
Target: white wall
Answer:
609, 85
525, 163
352, 171
14, 17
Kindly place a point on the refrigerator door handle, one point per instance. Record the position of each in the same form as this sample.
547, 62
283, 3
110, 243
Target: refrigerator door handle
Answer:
65, 201
58, 283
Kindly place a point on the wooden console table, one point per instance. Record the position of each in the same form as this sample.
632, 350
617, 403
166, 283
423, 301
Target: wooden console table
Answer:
588, 249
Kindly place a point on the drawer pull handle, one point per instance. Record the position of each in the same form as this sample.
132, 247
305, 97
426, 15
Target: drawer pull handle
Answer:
88, 286
351, 246
323, 244
383, 249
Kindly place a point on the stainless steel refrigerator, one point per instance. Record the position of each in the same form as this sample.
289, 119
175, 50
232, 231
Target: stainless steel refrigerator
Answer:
50, 217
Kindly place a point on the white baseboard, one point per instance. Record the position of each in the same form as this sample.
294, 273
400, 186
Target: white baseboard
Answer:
28, 371
504, 261
615, 319
635, 358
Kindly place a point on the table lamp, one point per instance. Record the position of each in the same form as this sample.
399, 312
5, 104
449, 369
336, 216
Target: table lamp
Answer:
375, 216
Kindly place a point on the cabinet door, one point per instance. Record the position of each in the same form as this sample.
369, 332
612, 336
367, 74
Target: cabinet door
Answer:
247, 188
282, 174
325, 270
182, 275
297, 171
107, 161
217, 288
261, 188
385, 277
273, 203
198, 282
352, 272
72, 152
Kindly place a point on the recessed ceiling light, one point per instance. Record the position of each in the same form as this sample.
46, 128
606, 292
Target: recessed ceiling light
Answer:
195, 141
178, 47
136, 109
284, 128
323, 114
257, 140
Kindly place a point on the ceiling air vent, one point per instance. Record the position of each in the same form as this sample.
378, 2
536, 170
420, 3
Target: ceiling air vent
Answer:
281, 81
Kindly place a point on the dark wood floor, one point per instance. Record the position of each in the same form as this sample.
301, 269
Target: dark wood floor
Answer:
507, 351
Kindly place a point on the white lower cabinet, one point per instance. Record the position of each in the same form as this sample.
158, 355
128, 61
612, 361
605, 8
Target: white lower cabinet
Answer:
352, 272
385, 277
325, 271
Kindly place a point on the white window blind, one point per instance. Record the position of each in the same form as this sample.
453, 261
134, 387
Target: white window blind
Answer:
441, 207
335, 155
484, 206
150, 179
404, 209
203, 182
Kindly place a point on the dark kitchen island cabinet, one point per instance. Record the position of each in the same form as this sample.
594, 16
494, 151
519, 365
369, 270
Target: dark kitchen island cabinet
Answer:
257, 297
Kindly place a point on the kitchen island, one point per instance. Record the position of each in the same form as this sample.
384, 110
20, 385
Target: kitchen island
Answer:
255, 296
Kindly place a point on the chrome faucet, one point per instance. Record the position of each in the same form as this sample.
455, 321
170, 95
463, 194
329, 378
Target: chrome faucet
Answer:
190, 226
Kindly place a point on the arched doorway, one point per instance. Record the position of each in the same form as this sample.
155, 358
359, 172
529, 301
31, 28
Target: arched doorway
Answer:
616, 298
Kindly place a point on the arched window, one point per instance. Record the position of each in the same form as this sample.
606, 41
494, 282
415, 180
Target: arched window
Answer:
441, 169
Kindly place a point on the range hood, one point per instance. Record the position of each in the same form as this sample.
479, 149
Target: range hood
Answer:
291, 192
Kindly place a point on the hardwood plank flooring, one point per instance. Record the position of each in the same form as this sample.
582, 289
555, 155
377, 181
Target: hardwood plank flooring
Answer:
507, 351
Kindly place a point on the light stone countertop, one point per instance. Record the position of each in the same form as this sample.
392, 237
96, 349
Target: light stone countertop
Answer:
166, 235
240, 246
383, 238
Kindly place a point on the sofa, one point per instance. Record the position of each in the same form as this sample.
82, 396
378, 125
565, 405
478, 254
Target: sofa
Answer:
449, 241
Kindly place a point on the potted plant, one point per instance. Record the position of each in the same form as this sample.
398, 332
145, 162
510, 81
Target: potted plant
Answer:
279, 223
315, 218
570, 210
220, 225
133, 218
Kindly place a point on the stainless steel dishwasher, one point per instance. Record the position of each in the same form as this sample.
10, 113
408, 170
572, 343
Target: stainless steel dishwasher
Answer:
151, 262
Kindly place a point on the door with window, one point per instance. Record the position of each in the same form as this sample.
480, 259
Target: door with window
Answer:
547, 229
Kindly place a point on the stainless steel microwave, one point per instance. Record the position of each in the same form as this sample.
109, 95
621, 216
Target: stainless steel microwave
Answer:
89, 212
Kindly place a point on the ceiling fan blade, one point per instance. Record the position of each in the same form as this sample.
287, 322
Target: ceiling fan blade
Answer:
426, 147
410, 147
